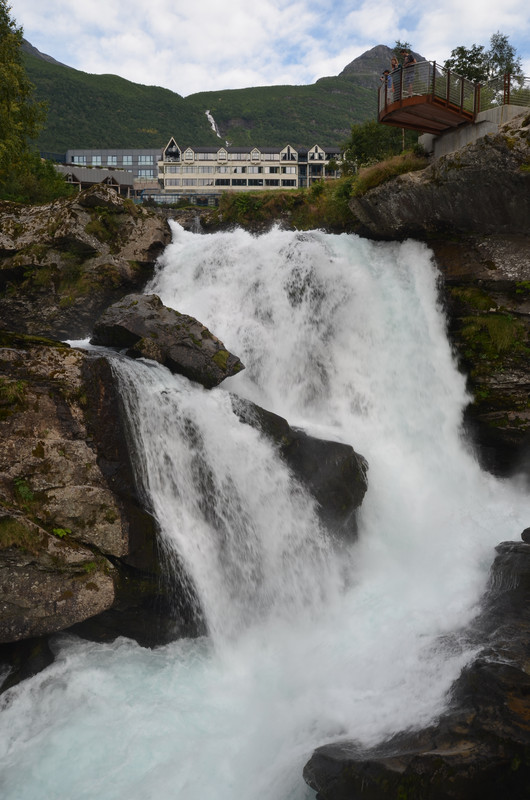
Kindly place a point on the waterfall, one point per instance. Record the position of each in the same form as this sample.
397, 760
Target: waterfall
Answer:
306, 643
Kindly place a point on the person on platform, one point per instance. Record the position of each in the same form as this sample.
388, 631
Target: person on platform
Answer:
408, 71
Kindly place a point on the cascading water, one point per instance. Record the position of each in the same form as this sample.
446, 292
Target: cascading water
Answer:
305, 645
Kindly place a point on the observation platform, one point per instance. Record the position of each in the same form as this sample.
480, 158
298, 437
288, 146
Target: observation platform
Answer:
429, 98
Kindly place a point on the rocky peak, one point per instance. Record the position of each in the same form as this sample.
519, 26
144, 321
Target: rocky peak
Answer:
366, 69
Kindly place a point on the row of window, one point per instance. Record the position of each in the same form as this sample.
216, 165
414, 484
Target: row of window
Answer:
229, 182
190, 170
111, 161
222, 155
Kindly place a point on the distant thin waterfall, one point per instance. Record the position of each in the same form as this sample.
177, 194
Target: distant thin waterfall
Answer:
307, 643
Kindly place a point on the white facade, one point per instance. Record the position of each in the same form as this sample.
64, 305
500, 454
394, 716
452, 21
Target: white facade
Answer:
212, 170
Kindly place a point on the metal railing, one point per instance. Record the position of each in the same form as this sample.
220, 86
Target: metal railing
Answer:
447, 88
428, 78
505, 90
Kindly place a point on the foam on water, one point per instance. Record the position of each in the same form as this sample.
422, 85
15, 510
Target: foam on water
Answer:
305, 644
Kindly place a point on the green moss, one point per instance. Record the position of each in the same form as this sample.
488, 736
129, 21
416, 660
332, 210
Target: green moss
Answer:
61, 532
106, 225
221, 359
494, 334
110, 515
12, 396
522, 288
14, 533
474, 297
24, 341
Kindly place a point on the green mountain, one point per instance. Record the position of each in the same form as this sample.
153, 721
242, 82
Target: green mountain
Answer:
107, 111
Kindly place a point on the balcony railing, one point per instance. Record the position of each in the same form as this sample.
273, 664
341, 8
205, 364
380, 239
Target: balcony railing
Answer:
504, 90
443, 87
427, 78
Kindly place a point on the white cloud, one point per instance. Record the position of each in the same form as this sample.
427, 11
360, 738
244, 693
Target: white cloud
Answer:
191, 47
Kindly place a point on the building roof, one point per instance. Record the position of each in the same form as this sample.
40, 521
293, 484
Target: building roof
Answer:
90, 175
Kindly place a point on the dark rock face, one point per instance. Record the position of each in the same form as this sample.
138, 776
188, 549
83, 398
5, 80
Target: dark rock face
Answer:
61, 264
480, 749
487, 298
334, 474
482, 188
147, 328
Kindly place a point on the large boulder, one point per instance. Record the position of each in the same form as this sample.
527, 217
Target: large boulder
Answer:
334, 474
62, 263
145, 327
480, 749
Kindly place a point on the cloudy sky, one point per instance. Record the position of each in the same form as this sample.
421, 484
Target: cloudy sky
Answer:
228, 44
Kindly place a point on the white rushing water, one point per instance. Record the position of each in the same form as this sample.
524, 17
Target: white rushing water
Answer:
344, 338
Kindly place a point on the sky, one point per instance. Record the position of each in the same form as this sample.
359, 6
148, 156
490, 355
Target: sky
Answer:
207, 45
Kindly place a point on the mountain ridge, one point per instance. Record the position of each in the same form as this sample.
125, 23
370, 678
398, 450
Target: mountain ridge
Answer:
107, 111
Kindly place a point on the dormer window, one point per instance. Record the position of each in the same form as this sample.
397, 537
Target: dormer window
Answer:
223, 155
188, 155
172, 151
289, 154
255, 155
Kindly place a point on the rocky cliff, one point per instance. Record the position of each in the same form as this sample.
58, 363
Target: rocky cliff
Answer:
62, 264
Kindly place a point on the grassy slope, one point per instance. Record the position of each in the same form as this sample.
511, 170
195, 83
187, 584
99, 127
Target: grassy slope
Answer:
107, 111
321, 113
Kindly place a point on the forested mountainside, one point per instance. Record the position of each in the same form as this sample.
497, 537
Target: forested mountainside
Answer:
86, 110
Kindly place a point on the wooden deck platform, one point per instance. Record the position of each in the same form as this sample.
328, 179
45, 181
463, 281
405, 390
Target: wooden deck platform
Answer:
425, 114
427, 98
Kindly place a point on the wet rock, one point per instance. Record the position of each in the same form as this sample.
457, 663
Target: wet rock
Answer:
75, 540
334, 474
147, 328
479, 749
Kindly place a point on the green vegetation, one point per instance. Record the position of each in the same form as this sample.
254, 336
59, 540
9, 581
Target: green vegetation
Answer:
12, 396
14, 533
23, 176
494, 335
299, 115
379, 173
522, 288
371, 142
61, 532
474, 297
108, 111
324, 204
478, 64
106, 225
